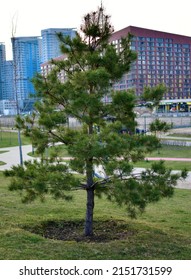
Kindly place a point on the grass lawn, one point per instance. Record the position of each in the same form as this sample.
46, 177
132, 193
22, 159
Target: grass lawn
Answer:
1, 162
174, 165
10, 139
162, 232
172, 151
61, 149
165, 151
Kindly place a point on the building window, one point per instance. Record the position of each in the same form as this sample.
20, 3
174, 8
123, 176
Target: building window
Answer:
160, 40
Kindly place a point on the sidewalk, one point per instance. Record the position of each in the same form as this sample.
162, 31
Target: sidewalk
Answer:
168, 159
11, 157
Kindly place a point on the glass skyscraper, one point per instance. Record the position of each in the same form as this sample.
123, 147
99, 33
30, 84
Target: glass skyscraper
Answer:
28, 55
9, 80
50, 45
26, 63
2, 71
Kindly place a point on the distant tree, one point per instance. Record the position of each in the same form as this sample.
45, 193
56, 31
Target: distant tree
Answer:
106, 136
158, 126
153, 94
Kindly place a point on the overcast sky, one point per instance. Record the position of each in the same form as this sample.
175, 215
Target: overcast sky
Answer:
30, 17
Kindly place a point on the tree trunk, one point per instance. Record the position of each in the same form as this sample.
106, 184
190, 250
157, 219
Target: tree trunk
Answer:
88, 231
89, 212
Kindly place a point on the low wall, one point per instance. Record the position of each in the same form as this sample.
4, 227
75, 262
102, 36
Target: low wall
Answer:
176, 121
176, 143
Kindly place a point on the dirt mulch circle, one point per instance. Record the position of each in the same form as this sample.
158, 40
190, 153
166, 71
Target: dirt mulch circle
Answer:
104, 231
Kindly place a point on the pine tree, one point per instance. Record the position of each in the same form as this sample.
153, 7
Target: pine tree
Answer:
105, 138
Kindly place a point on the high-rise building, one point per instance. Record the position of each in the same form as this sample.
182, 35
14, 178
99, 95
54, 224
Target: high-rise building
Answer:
47, 67
26, 63
9, 80
50, 45
162, 58
2, 70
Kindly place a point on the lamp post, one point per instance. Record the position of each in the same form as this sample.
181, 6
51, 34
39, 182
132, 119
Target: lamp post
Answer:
145, 124
16, 97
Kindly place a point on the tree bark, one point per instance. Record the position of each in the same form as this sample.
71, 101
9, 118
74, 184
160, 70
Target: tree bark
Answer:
88, 231
89, 212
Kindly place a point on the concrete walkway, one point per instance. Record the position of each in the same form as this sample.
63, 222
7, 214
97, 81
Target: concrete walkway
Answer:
11, 157
168, 159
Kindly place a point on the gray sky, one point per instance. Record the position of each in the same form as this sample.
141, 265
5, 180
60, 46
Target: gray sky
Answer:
30, 17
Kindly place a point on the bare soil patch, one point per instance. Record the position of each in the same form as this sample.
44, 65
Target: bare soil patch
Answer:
104, 231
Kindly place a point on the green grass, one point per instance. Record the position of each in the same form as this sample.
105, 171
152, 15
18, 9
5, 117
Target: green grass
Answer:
10, 139
165, 151
62, 151
174, 165
162, 232
172, 151
2, 152
2, 162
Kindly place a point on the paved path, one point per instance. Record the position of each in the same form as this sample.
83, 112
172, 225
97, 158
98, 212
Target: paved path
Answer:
11, 157
168, 159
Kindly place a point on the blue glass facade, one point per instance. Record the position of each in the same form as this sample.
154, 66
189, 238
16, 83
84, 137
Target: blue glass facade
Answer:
9, 80
28, 54
2, 70
50, 46
26, 57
